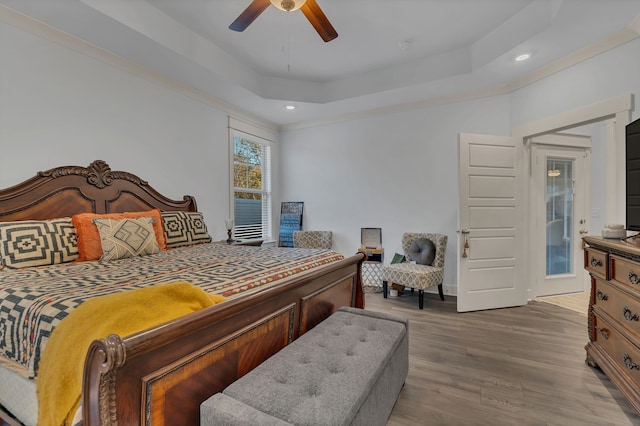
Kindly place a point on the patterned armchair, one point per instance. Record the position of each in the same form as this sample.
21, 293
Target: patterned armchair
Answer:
313, 239
416, 275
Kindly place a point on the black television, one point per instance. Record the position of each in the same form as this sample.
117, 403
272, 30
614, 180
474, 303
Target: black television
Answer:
633, 176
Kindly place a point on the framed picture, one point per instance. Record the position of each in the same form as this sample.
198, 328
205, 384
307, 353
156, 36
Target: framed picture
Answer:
290, 221
371, 237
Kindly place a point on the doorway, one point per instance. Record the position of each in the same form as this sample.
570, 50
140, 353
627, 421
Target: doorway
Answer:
615, 114
559, 189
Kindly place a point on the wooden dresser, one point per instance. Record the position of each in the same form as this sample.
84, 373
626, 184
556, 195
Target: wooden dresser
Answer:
614, 312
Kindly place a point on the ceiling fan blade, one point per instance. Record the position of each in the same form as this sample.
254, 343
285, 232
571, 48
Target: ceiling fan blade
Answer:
249, 15
316, 16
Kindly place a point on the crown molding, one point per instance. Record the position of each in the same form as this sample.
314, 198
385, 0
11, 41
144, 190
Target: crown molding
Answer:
426, 103
41, 29
47, 32
618, 39
581, 55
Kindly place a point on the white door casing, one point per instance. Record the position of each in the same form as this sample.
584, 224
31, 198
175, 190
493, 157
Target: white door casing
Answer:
491, 222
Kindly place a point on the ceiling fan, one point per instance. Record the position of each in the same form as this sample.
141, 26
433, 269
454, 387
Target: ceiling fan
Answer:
309, 8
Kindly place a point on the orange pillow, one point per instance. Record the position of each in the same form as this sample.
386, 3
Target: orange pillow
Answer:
89, 243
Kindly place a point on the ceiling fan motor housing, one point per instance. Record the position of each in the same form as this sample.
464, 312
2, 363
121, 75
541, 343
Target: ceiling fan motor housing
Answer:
288, 5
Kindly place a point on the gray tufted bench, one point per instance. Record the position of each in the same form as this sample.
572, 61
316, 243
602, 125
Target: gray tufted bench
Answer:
347, 370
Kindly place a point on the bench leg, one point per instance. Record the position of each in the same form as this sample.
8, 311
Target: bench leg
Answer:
384, 289
420, 299
440, 291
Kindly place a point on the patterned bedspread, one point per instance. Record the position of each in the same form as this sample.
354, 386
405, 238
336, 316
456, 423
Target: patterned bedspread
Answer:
34, 300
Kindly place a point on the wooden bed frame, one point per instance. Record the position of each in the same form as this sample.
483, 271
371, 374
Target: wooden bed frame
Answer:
161, 375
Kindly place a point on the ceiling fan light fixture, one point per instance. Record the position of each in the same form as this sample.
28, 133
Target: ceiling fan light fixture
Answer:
288, 5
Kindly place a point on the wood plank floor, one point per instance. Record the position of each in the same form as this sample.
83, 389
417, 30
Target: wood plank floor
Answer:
513, 366
578, 302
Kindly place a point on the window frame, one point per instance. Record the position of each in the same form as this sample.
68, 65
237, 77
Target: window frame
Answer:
258, 136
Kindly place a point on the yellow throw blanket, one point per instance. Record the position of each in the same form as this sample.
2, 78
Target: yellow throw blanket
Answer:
59, 381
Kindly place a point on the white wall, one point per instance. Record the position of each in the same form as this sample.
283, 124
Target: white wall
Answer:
59, 107
610, 74
397, 171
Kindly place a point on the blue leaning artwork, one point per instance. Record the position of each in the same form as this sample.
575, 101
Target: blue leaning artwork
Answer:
290, 221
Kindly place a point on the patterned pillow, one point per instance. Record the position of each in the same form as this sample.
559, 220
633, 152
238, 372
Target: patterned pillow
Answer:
37, 242
122, 238
89, 243
184, 228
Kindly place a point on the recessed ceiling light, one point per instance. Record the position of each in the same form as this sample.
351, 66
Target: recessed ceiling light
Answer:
523, 57
290, 107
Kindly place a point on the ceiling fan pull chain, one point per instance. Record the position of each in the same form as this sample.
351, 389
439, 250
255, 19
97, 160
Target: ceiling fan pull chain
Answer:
288, 50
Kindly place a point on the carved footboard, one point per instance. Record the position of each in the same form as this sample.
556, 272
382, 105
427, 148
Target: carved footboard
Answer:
160, 376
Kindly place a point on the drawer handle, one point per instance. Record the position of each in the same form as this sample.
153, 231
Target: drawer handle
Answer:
595, 263
628, 315
633, 278
603, 332
630, 364
601, 296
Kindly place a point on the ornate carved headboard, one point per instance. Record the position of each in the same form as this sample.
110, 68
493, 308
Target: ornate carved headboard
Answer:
68, 190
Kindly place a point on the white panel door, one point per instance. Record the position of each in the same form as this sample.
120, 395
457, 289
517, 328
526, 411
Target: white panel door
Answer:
490, 223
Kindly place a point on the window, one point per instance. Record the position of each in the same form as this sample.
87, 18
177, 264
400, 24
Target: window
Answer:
559, 196
251, 175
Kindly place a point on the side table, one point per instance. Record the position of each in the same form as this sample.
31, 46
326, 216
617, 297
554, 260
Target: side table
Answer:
372, 269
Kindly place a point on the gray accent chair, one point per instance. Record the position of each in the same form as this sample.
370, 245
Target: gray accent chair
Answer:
313, 239
415, 275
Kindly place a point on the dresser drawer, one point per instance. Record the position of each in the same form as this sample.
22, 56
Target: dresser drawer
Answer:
623, 308
625, 272
596, 262
623, 353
